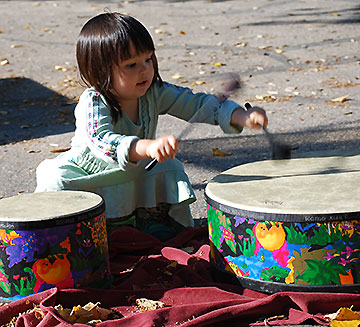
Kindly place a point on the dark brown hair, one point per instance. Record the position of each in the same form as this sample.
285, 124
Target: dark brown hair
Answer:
103, 42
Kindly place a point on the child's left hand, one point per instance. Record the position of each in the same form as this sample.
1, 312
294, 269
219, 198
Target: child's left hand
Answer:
253, 118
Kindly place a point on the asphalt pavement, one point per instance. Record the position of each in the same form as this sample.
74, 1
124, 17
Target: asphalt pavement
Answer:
299, 60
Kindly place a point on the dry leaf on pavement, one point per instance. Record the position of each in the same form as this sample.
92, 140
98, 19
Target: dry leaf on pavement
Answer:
217, 152
341, 99
176, 76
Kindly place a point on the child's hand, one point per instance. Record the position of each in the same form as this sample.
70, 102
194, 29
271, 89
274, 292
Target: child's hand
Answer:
163, 148
253, 118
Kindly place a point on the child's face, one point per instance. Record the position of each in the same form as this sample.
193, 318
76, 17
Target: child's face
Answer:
132, 77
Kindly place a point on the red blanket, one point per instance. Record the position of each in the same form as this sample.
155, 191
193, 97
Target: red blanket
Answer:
143, 267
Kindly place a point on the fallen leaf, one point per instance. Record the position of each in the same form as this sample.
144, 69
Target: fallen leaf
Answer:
36, 311
295, 69
1, 31
350, 323
338, 84
46, 30
218, 64
13, 46
182, 32
4, 62
265, 47
343, 314
279, 51
200, 82
60, 150
27, 27
241, 44
84, 314
318, 69
148, 305
176, 76
159, 31
64, 69
341, 99
266, 97
217, 152
344, 317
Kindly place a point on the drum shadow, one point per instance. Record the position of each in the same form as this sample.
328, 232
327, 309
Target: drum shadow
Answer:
30, 110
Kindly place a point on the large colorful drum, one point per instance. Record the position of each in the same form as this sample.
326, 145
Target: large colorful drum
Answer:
52, 239
291, 225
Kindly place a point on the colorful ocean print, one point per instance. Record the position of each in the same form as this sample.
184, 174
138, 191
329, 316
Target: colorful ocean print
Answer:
68, 256
326, 253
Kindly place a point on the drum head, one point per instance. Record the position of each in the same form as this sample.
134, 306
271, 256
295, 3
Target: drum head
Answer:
48, 209
312, 189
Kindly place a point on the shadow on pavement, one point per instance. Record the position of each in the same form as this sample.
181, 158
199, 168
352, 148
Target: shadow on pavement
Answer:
245, 149
343, 16
29, 110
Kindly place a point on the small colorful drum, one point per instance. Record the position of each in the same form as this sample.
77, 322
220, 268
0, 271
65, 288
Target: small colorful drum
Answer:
291, 225
52, 239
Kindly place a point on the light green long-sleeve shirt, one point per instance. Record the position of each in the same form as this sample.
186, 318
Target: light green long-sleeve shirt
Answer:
99, 158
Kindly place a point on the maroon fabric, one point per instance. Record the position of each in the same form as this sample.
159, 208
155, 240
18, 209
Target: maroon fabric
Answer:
144, 267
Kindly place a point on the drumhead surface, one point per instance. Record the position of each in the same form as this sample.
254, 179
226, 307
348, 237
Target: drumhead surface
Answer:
38, 209
315, 188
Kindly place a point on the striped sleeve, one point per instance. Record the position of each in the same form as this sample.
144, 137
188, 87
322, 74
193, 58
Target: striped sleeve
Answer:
101, 139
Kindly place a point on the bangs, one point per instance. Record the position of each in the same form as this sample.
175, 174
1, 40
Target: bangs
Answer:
131, 32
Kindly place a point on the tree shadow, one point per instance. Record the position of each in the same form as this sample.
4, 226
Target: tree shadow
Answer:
341, 16
30, 110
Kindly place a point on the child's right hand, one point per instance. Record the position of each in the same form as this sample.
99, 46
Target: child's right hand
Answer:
163, 148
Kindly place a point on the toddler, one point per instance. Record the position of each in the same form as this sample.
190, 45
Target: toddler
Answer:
116, 120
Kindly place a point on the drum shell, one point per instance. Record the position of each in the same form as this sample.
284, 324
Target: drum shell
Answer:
67, 250
239, 256
272, 252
